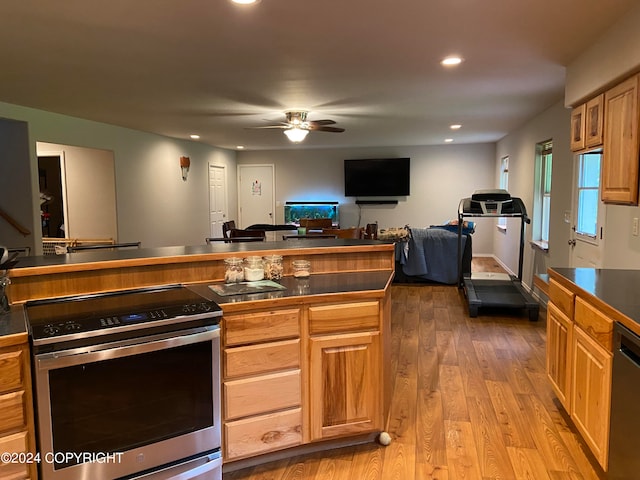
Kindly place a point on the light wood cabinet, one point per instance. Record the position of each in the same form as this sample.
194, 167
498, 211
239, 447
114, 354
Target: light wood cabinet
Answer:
345, 376
559, 340
621, 147
591, 393
579, 364
594, 122
578, 127
16, 411
262, 383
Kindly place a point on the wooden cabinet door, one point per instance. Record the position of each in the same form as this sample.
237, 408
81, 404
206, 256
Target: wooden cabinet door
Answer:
594, 122
591, 399
577, 127
559, 341
346, 384
620, 150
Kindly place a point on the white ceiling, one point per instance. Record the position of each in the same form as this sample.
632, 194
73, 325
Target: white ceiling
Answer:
177, 67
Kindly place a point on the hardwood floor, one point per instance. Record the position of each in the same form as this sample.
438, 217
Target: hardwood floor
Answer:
471, 401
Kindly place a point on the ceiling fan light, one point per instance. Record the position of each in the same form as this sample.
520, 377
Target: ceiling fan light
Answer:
295, 134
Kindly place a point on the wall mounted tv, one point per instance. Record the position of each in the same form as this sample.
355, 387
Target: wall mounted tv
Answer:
376, 177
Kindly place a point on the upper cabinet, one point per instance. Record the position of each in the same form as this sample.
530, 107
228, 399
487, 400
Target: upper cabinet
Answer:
621, 147
577, 127
594, 122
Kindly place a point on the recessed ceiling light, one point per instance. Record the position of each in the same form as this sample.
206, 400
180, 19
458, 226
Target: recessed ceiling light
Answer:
448, 140
245, 2
194, 136
240, 147
455, 126
451, 61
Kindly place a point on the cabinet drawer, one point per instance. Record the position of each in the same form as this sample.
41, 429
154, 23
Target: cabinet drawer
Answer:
12, 411
561, 297
11, 362
261, 358
344, 317
261, 326
263, 434
266, 393
595, 323
16, 443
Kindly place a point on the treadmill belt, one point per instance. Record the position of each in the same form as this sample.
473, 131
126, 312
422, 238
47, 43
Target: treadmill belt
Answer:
498, 294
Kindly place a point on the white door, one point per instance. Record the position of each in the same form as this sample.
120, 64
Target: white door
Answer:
217, 199
256, 195
587, 242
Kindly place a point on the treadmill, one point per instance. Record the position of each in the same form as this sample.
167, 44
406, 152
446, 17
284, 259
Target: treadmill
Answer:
495, 290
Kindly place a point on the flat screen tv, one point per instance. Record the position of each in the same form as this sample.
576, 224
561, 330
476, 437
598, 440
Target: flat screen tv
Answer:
376, 177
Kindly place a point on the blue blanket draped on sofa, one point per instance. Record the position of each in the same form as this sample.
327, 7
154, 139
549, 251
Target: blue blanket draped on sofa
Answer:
432, 254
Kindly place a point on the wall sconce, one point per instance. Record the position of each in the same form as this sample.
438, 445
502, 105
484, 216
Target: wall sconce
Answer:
185, 162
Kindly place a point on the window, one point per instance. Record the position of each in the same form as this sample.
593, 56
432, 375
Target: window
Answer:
504, 185
588, 195
542, 200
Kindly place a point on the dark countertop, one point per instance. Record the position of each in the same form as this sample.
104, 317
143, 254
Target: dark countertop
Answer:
94, 256
13, 323
619, 289
316, 284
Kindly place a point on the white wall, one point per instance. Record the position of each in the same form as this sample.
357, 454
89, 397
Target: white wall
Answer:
154, 205
612, 57
520, 146
440, 177
15, 170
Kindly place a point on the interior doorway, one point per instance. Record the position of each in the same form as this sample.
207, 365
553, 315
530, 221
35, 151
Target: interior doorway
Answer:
217, 199
52, 196
256, 195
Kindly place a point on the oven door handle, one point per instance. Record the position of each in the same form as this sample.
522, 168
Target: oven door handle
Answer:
200, 470
124, 348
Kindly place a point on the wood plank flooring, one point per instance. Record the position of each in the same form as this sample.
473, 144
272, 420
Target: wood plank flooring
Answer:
471, 401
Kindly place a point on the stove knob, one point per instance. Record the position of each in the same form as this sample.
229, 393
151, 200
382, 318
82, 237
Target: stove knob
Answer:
205, 307
51, 330
72, 326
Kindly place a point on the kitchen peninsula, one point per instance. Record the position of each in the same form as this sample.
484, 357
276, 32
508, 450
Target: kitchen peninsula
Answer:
586, 308
303, 368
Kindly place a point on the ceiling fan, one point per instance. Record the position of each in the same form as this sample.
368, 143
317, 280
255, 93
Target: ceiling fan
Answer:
297, 126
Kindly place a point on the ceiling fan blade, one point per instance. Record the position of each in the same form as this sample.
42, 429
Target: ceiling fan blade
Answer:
327, 129
322, 122
271, 126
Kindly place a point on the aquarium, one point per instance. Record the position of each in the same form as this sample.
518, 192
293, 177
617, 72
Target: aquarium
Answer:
294, 211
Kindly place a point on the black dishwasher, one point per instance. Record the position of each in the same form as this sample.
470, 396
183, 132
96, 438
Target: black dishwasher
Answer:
624, 461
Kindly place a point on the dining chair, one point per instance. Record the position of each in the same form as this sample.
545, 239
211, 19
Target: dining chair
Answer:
316, 223
371, 231
345, 232
247, 235
106, 246
226, 226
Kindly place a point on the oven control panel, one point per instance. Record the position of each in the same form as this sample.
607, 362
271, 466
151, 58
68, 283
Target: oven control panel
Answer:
146, 309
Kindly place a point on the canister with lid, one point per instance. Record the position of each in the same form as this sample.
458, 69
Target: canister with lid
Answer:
233, 270
253, 269
273, 267
301, 268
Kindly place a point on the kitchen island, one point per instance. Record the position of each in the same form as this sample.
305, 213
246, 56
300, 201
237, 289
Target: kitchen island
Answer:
303, 368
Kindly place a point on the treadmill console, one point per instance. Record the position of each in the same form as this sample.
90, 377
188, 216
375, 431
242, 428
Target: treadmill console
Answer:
493, 202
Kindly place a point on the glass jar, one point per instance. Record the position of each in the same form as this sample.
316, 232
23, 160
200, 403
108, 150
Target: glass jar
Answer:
301, 268
273, 267
233, 270
253, 269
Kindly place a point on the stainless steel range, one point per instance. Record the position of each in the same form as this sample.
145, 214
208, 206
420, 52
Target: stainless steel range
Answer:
127, 385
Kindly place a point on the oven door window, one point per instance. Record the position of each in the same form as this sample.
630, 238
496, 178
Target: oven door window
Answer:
127, 402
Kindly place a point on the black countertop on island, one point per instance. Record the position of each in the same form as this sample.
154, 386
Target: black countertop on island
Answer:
316, 284
94, 256
619, 289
